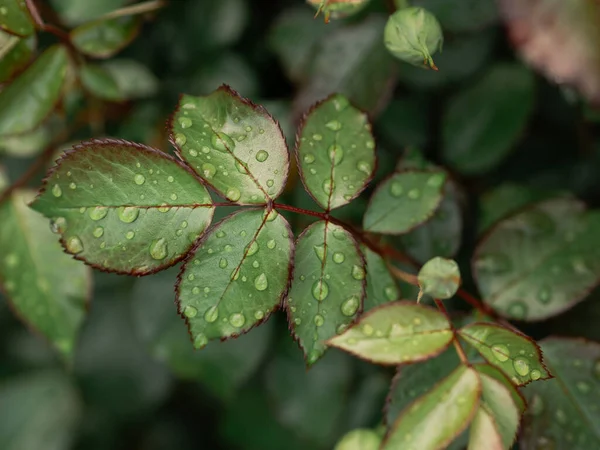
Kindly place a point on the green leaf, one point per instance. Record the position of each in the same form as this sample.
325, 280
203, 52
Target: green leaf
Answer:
4, 180
124, 207
541, 261
313, 402
400, 332
335, 152
360, 439
236, 276
381, 285
454, 399
489, 371
328, 287
497, 420
75, 12
15, 54
234, 145
28, 100
337, 9
482, 123
517, 355
33, 272
222, 367
99, 82
29, 144
563, 412
352, 61
463, 15
134, 80
105, 37
440, 278
38, 410
441, 235
15, 18
404, 201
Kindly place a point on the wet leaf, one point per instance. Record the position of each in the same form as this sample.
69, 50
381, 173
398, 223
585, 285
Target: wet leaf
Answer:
359, 439
328, 287
404, 201
462, 16
558, 38
234, 145
381, 285
99, 82
337, 9
28, 100
482, 123
124, 207
38, 410
352, 61
400, 332
15, 18
133, 79
222, 367
105, 37
236, 276
336, 152
15, 54
32, 273
455, 399
439, 278
540, 261
563, 412
517, 355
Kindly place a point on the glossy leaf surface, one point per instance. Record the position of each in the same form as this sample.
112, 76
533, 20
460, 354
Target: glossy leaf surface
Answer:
236, 146
540, 261
15, 18
124, 207
336, 152
328, 287
236, 276
454, 399
32, 273
404, 201
563, 412
517, 355
106, 37
396, 333
381, 285
27, 101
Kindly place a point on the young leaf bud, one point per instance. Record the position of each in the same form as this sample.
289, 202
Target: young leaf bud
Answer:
337, 9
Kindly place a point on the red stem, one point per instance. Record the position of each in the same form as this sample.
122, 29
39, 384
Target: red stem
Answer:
457, 345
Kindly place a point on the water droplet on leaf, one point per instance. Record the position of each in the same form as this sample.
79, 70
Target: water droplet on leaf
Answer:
501, 352
159, 249
260, 282
237, 320
320, 290
350, 306
56, 190
128, 214
139, 179
74, 245
190, 312
262, 156
212, 314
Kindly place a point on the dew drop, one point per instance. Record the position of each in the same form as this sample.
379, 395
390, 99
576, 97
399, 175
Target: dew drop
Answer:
98, 232
200, 341
367, 329
358, 273
164, 208
320, 251
252, 248
185, 122
364, 167
309, 158
320, 290
237, 320
339, 234
535, 374
212, 314
58, 225
319, 320
128, 214
328, 186
208, 170
233, 194
317, 137
259, 315
223, 263
98, 212
180, 139
72, 186
190, 312
222, 142
334, 125
341, 328
350, 306
159, 249
436, 180
195, 290
139, 179
396, 189
414, 194
270, 183
261, 156
130, 234
544, 295
391, 292
74, 245
271, 244
521, 366
501, 352
56, 190
173, 197
518, 310
336, 154
260, 282
338, 257
271, 215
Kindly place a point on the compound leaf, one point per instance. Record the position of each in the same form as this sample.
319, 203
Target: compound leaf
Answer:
124, 207
404, 201
234, 145
236, 276
336, 152
455, 398
396, 333
517, 355
540, 261
328, 286
47, 289
15, 18
28, 100
104, 38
